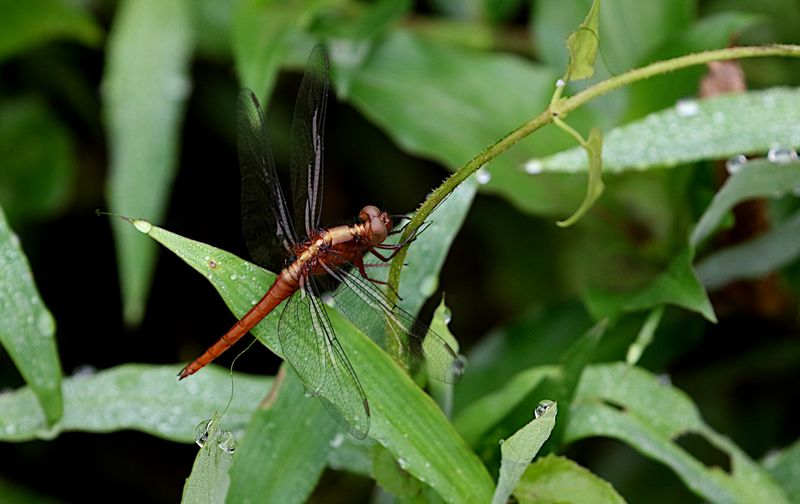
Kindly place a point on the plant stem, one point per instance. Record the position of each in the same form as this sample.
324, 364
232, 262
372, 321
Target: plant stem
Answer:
561, 108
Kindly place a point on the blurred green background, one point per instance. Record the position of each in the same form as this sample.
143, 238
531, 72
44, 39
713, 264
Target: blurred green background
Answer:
130, 107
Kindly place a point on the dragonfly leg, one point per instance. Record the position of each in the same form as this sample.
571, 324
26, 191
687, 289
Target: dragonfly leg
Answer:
359, 264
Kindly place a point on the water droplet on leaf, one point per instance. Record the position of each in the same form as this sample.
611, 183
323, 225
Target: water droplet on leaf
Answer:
687, 107
782, 155
735, 163
542, 407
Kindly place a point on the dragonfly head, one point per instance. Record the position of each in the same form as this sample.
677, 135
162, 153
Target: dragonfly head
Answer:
380, 223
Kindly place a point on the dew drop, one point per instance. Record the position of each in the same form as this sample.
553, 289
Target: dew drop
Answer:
664, 379
448, 316
45, 324
142, 225
84, 371
735, 163
234, 277
542, 407
687, 107
227, 442
533, 167
428, 285
201, 432
483, 176
328, 299
459, 363
560, 83
212, 264
782, 155
337, 440
403, 463
177, 87
14, 240
501, 442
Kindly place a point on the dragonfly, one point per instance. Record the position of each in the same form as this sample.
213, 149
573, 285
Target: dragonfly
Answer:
320, 259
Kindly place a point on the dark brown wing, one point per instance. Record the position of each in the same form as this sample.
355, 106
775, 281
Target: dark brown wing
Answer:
307, 141
266, 222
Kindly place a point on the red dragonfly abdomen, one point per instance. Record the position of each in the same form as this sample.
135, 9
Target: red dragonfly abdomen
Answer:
282, 288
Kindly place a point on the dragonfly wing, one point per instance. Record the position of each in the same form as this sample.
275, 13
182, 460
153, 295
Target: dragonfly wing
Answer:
310, 346
390, 326
266, 223
307, 141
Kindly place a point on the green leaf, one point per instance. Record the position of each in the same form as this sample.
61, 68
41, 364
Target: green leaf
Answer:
481, 415
404, 419
390, 475
629, 29
263, 32
518, 450
138, 397
678, 285
38, 167
36, 22
209, 481
754, 258
428, 98
632, 405
582, 46
145, 86
715, 128
426, 255
594, 186
753, 179
559, 479
27, 332
784, 467
645, 336
284, 449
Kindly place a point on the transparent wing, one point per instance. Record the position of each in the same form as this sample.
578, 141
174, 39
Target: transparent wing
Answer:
311, 348
307, 141
266, 223
390, 326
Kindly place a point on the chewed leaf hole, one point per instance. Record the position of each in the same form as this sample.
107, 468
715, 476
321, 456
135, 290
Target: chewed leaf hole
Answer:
701, 449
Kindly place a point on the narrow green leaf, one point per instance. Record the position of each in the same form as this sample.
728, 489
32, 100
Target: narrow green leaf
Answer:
138, 397
404, 419
351, 455
752, 259
27, 332
390, 475
582, 46
678, 285
630, 29
284, 449
36, 22
442, 392
715, 128
518, 451
479, 417
145, 86
632, 405
38, 167
209, 481
753, 179
645, 336
426, 255
559, 479
594, 186
784, 467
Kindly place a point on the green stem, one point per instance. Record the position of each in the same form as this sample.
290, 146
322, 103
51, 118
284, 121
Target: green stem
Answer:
561, 108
